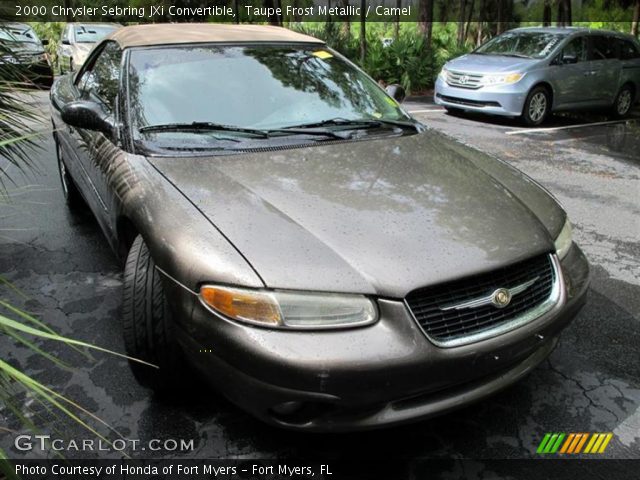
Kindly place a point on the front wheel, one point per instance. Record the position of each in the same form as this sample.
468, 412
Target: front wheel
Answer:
624, 102
148, 325
536, 106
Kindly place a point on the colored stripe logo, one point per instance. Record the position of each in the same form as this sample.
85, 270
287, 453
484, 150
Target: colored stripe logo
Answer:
573, 443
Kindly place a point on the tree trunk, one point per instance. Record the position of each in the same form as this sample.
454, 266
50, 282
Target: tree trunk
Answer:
466, 28
567, 12
346, 21
396, 26
67, 6
425, 24
499, 24
363, 31
636, 19
561, 14
461, 19
480, 33
443, 9
546, 14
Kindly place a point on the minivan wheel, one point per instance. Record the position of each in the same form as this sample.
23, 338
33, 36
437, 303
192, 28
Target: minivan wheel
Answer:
536, 106
72, 196
624, 102
148, 325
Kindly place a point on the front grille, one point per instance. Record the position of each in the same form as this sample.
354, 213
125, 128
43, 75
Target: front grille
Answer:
464, 80
434, 308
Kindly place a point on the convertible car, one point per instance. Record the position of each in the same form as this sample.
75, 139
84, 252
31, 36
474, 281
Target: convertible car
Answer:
326, 261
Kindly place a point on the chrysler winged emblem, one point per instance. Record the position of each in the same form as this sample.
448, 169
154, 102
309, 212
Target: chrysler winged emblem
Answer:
499, 298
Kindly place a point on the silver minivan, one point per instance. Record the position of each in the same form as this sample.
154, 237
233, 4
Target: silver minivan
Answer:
531, 72
77, 40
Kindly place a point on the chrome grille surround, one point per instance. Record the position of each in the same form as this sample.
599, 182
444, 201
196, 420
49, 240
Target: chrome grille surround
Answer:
470, 81
555, 299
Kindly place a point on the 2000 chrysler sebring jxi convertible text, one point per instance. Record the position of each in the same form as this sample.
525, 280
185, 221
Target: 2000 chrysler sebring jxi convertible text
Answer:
325, 260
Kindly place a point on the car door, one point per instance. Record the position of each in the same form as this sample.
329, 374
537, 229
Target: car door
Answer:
99, 82
572, 77
606, 67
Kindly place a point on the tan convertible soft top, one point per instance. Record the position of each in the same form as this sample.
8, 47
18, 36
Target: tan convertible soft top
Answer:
174, 33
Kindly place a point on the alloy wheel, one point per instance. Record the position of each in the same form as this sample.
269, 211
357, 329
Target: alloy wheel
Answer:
624, 102
537, 106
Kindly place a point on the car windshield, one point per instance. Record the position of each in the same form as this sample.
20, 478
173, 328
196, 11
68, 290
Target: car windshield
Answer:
257, 88
22, 34
92, 33
522, 44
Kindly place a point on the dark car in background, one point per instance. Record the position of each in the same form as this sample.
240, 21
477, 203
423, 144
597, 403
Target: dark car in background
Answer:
325, 260
77, 40
21, 47
531, 72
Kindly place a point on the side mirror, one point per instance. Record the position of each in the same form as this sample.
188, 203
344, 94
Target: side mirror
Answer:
66, 42
89, 116
568, 59
396, 92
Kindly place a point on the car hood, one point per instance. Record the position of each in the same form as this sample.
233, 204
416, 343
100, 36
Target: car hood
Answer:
489, 64
379, 217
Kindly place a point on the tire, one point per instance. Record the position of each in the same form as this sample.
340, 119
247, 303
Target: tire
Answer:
453, 110
536, 107
72, 196
147, 323
623, 102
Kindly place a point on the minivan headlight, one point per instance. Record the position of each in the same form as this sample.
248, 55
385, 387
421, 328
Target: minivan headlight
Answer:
443, 74
501, 79
290, 309
564, 240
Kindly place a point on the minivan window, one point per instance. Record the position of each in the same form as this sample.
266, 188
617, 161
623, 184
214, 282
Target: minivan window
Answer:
628, 50
522, 44
602, 48
92, 33
253, 86
576, 48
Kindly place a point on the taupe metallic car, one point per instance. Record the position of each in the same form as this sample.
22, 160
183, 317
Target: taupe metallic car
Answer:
325, 260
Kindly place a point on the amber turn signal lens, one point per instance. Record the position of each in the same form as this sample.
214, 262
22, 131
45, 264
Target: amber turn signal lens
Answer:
255, 307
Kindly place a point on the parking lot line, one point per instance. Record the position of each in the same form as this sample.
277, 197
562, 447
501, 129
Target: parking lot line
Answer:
566, 127
428, 111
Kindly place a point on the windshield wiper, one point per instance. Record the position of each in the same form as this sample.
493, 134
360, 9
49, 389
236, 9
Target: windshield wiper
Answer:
202, 126
356, 123
517, 55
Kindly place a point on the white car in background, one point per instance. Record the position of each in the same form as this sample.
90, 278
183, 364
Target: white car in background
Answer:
77, 41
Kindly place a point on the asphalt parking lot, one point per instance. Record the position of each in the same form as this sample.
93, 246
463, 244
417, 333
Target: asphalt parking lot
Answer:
69, 278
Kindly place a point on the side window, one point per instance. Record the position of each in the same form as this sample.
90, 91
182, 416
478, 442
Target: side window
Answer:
602, 48
100, 82
575, 51
628, 50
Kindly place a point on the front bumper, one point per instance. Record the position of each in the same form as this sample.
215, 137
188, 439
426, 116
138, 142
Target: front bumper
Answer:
498, 100
385, 374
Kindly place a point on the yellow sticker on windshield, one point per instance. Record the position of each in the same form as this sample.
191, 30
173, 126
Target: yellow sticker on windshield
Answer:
391, 101
377, 114
323, 54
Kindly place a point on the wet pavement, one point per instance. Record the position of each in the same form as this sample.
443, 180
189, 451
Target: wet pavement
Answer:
69, 278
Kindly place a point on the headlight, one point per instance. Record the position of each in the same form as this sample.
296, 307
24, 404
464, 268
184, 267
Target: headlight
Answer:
443, 74
501, 79
563, 242
284, 309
